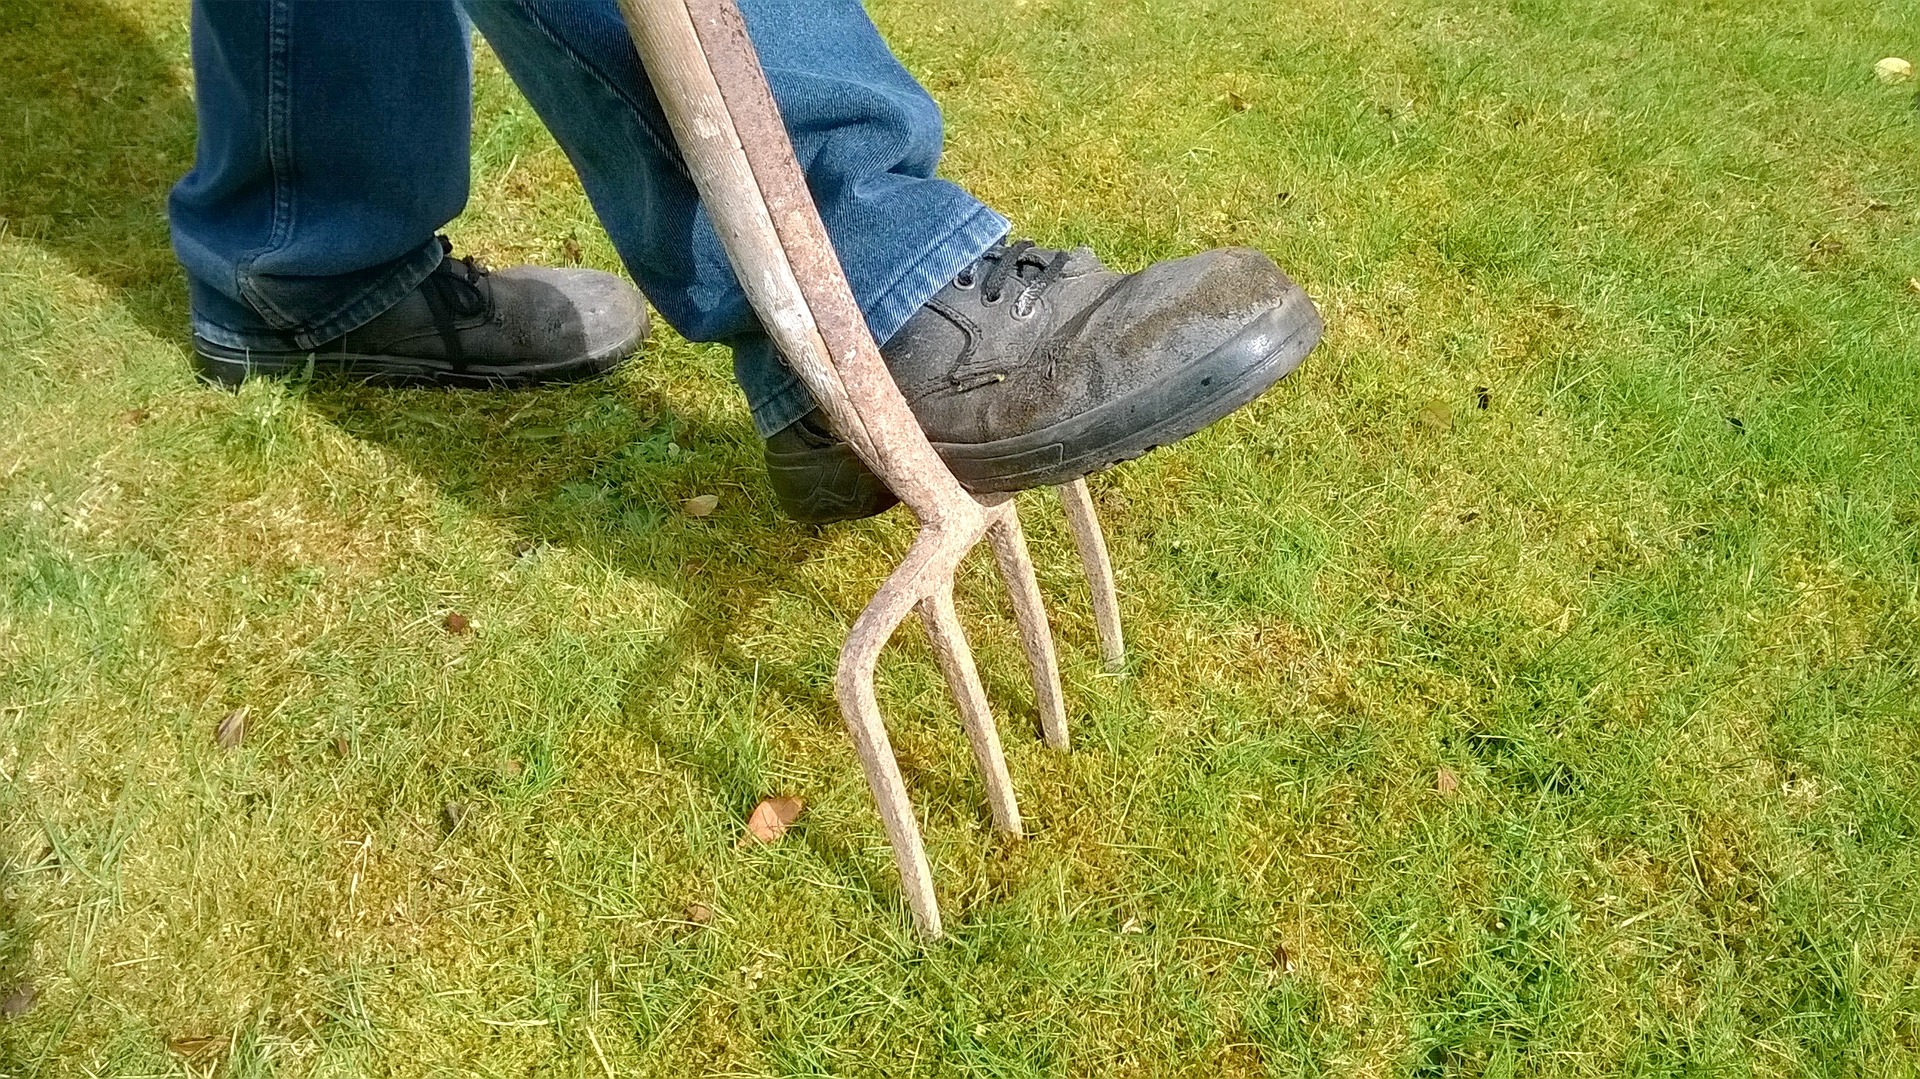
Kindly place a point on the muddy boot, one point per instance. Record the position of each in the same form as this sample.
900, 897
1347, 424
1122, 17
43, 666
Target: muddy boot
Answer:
472, 327
1035, 367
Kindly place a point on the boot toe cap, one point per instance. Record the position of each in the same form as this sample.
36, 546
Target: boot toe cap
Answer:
575, 311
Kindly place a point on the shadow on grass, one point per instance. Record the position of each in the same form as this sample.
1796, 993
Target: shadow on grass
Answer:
99, 123
602, 472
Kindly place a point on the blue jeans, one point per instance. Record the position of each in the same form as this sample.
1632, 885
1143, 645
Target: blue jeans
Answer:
334, 137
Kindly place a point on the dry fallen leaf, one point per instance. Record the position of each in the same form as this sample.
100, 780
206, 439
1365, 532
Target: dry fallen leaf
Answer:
453, 814
515, 767
699, 913
193, 1046
231, 729
700, 505
1824, 250
572, 250
1282, 959
455, 622
1892, 70
341, 747
1446, 782
1437, 416
18, 1001
771, 818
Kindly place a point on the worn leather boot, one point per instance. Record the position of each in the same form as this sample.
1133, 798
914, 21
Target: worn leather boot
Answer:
472, 327
1035, 367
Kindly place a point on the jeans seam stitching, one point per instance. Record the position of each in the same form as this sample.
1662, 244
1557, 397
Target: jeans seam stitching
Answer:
279, 118
669, 148
884, 294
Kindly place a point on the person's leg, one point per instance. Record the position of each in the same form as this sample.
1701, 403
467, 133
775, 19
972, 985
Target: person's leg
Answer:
866, 133
333, 146
333, 142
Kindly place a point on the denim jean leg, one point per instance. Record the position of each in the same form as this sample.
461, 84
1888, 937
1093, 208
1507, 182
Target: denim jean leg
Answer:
867, 135
333, 145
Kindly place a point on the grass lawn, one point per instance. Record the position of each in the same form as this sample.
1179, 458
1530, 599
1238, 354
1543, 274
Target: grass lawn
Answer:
1527, 687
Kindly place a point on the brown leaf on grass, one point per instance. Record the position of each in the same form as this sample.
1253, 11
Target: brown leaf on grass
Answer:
514, 767
231, 729
701, 505
699, 913
195, 1046
341, 747
18, 1001
1823, 251
771, 819
455, 622
1282, 959
134, 417
572, 250
1446, 782
453, 814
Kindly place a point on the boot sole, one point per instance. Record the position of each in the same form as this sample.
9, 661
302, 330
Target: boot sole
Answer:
1226, 379
230, 367
828, 484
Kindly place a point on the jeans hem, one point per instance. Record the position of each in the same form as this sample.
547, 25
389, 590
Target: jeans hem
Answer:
376, 299
916, 283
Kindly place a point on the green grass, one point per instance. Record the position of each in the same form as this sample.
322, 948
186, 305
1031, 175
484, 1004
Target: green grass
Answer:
1601, 495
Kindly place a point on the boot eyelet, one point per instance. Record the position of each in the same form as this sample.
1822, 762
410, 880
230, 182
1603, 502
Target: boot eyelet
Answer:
993, 301
964, 281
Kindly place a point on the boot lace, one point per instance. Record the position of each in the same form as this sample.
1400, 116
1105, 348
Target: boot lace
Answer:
453, 292
1023, 265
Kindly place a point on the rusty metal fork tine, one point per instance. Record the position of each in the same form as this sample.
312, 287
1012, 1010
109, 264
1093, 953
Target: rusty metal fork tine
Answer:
1030, 614
926, 571
1092, 545
949, 642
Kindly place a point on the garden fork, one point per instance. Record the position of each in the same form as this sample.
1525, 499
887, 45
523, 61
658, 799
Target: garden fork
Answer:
709, 81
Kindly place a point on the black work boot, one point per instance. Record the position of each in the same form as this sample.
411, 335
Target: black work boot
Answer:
1035, 367
818, 479
472, 327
